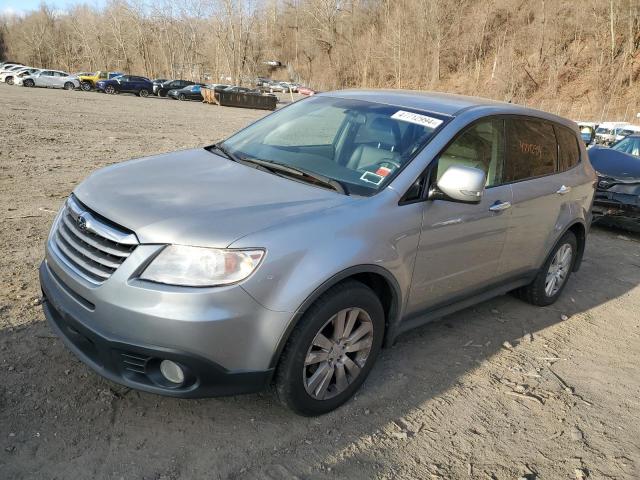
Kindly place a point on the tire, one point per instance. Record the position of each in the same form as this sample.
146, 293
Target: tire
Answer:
181, 97
29, 83
303, 387
86, 86
144, 93
538, 292
9, 80
162, 93
69, 86
110, 89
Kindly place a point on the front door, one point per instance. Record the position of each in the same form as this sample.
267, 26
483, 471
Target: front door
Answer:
461, 244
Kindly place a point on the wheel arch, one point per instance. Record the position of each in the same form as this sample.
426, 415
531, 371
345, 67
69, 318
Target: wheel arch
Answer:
379, 279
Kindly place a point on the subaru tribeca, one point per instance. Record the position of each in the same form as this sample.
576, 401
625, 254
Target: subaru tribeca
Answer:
293, 251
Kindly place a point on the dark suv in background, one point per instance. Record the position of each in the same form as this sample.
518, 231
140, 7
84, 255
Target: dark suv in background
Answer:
141, 86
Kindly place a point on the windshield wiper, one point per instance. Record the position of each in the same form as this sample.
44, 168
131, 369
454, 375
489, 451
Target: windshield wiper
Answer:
225, 152
299, 173
280, 169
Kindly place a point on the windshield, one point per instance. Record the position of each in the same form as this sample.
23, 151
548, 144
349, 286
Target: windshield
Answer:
360, 144
628, 145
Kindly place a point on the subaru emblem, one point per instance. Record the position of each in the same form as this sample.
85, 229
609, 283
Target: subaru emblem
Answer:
81, 221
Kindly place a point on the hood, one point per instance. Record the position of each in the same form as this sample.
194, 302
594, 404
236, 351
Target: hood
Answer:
194, 197
614, 164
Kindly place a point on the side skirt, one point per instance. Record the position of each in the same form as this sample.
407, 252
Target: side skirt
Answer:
431, 314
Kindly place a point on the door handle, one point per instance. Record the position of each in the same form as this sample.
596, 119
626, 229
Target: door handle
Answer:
500, 206
563, 190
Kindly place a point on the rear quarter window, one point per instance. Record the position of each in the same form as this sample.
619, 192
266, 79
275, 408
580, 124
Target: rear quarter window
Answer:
531, 149
568, 149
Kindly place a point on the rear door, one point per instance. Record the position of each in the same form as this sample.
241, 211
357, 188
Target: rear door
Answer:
125, 83
541, 195
461, 243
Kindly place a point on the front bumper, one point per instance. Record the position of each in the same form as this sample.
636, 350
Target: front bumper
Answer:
224, 340
617, 208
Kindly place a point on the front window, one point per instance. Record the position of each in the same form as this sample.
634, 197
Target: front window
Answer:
359, 144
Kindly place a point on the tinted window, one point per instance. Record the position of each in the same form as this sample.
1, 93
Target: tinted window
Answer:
568, 150
531, 149
480, 146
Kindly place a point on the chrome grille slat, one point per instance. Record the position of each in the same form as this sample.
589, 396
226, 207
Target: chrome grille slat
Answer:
84, 250
95, 256
79, 261
93, 241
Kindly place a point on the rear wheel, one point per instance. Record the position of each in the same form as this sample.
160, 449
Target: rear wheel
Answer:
86, 86
182, 97
554, 274
29, 83
332, 350
143, 93
162, 93
110, 89
69, 86
9, 80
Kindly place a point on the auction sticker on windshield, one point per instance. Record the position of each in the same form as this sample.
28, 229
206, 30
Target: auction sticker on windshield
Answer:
416, 118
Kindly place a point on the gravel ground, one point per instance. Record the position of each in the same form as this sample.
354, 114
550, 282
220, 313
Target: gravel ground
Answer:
502, 390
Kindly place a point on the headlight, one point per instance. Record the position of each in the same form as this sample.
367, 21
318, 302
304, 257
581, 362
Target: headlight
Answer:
201, 267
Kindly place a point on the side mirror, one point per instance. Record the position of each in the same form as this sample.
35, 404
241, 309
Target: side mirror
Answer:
460, 184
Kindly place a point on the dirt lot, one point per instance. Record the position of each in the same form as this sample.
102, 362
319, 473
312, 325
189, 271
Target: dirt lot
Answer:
447, 401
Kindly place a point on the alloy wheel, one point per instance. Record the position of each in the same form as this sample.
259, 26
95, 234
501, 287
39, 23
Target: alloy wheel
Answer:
68, 86
338, 353
110, 90
144, 93
558, 270
86, 86
29, 83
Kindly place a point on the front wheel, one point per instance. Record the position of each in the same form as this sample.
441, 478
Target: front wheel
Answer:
143, 93
69, 86
554, 274
181, 97
332, 350
85, 86
29, 83
162, 93
110, 89
9, 80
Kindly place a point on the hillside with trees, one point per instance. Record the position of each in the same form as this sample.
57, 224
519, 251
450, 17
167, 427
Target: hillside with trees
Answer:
579, 59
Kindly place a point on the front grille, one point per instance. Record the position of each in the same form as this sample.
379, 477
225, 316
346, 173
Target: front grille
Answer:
90, 245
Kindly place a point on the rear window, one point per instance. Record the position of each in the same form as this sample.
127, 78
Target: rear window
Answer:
531, 149
568, 150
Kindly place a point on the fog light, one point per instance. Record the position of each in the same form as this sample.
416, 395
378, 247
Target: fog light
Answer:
171, 371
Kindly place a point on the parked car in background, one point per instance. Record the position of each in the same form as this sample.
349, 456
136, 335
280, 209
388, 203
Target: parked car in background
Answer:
163, 89
9, 76
192, 92
11, 68
50, 79
157, 83
617, 201
291, 251
306, 91
90, 80
137, 85
587, 132
8, 63
626, 131
607, 132
237, 89
20, 76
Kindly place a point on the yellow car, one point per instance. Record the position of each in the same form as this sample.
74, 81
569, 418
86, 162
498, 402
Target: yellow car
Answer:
88, 82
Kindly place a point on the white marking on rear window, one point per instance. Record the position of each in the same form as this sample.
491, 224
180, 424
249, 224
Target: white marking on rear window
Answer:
418, 119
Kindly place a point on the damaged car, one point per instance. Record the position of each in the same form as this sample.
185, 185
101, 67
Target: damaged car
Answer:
617, 200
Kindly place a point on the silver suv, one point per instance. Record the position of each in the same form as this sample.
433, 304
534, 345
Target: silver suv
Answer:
294, 250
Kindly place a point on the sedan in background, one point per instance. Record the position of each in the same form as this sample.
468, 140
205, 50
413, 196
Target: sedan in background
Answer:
192, 92
162, 89
49, 79
140, 86
617, 200
236, 89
